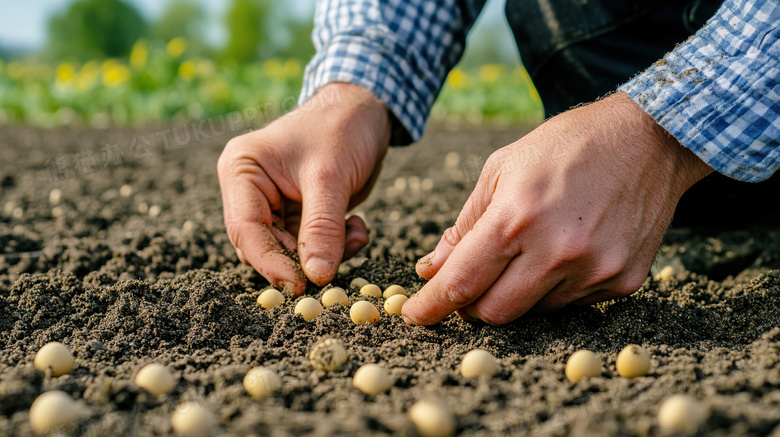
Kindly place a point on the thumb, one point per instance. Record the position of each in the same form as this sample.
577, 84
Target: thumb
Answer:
321, 236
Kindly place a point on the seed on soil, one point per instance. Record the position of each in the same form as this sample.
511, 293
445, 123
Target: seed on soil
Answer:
309, 308
581, 364
680, 414
394, 304
335, 295
478, 362
155, 379
125, 190
328, 354
393, 290
270, 298
372, 379
363, 312
55, 196
633, 361
261, 382
372, 290
56, 356
432, 419
193, 419
51, 410
665, 274
358, 283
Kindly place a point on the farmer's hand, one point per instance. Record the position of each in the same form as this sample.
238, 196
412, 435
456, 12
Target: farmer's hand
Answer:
580, 225
290, 184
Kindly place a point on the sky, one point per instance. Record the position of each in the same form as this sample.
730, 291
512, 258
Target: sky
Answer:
23, 23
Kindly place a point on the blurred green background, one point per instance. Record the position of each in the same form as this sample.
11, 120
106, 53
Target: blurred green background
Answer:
116, 62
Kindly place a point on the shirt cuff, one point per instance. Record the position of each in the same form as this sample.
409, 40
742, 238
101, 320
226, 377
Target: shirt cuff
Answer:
376, 64
718, 93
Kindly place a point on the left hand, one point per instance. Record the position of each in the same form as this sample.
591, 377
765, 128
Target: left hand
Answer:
580, 225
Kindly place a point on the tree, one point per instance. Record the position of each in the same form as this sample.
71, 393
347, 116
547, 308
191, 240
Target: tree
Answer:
247, 27
94, 29
186, 19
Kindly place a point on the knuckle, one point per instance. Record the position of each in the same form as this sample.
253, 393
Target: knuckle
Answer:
494, 316
452, 236
323, 224
458, 294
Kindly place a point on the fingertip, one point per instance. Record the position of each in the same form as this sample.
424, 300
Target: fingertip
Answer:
298, 287
424, 266
320, 270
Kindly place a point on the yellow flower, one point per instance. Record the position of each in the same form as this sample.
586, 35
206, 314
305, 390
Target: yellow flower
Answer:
491, 72
65, 72
187, 70
87, 76
292, 68
139, 53
205, 68
176, 47
117, 75
273, 68
458, 78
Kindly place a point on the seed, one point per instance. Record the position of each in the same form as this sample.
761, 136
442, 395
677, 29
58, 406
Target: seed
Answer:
478, 362
680, 414
261, 382
51, 410
56, 356
192, 419
665, 274
154, 211
394, 304
393, 290
633, 361
363, 312
328, 354
372, 290
432, 420
270, 298
309, 308
581, 364
372, 379
358, 283
55, 196
125, 190
335, 295
155, 379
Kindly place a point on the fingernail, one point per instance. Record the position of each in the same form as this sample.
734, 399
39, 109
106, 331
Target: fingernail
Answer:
408, 320
317, 267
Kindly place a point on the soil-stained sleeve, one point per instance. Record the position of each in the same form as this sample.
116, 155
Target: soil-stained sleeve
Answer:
719, 92
400, 50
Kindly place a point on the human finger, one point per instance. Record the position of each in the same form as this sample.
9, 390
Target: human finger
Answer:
356, 236
472, 267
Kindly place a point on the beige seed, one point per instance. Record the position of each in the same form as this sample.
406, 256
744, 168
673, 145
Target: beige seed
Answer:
193, 419
261, 382
394, 304
667, 273
372, 290
432, 419
309, 308
56, 356
125, 190
478, 362
393, 290
364, 312
52, 411
680, 414
633, 361
328, 354
335, 295
358, 283
372, 379
581, 364
155, 379
270, 298
55, 196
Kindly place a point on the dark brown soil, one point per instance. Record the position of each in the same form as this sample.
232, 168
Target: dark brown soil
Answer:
121, 288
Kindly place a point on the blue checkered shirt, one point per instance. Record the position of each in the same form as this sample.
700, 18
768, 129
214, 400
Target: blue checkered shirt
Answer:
718, 93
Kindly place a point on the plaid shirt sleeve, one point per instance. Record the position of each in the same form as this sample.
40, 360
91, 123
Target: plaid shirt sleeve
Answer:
719, 92
400, 50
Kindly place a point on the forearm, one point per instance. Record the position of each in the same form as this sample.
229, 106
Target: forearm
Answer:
719, 92
402, 53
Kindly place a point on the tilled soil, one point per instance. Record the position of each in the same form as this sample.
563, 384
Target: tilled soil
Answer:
127, 262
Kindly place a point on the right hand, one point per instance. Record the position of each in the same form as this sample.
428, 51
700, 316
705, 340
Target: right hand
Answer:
286, 188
